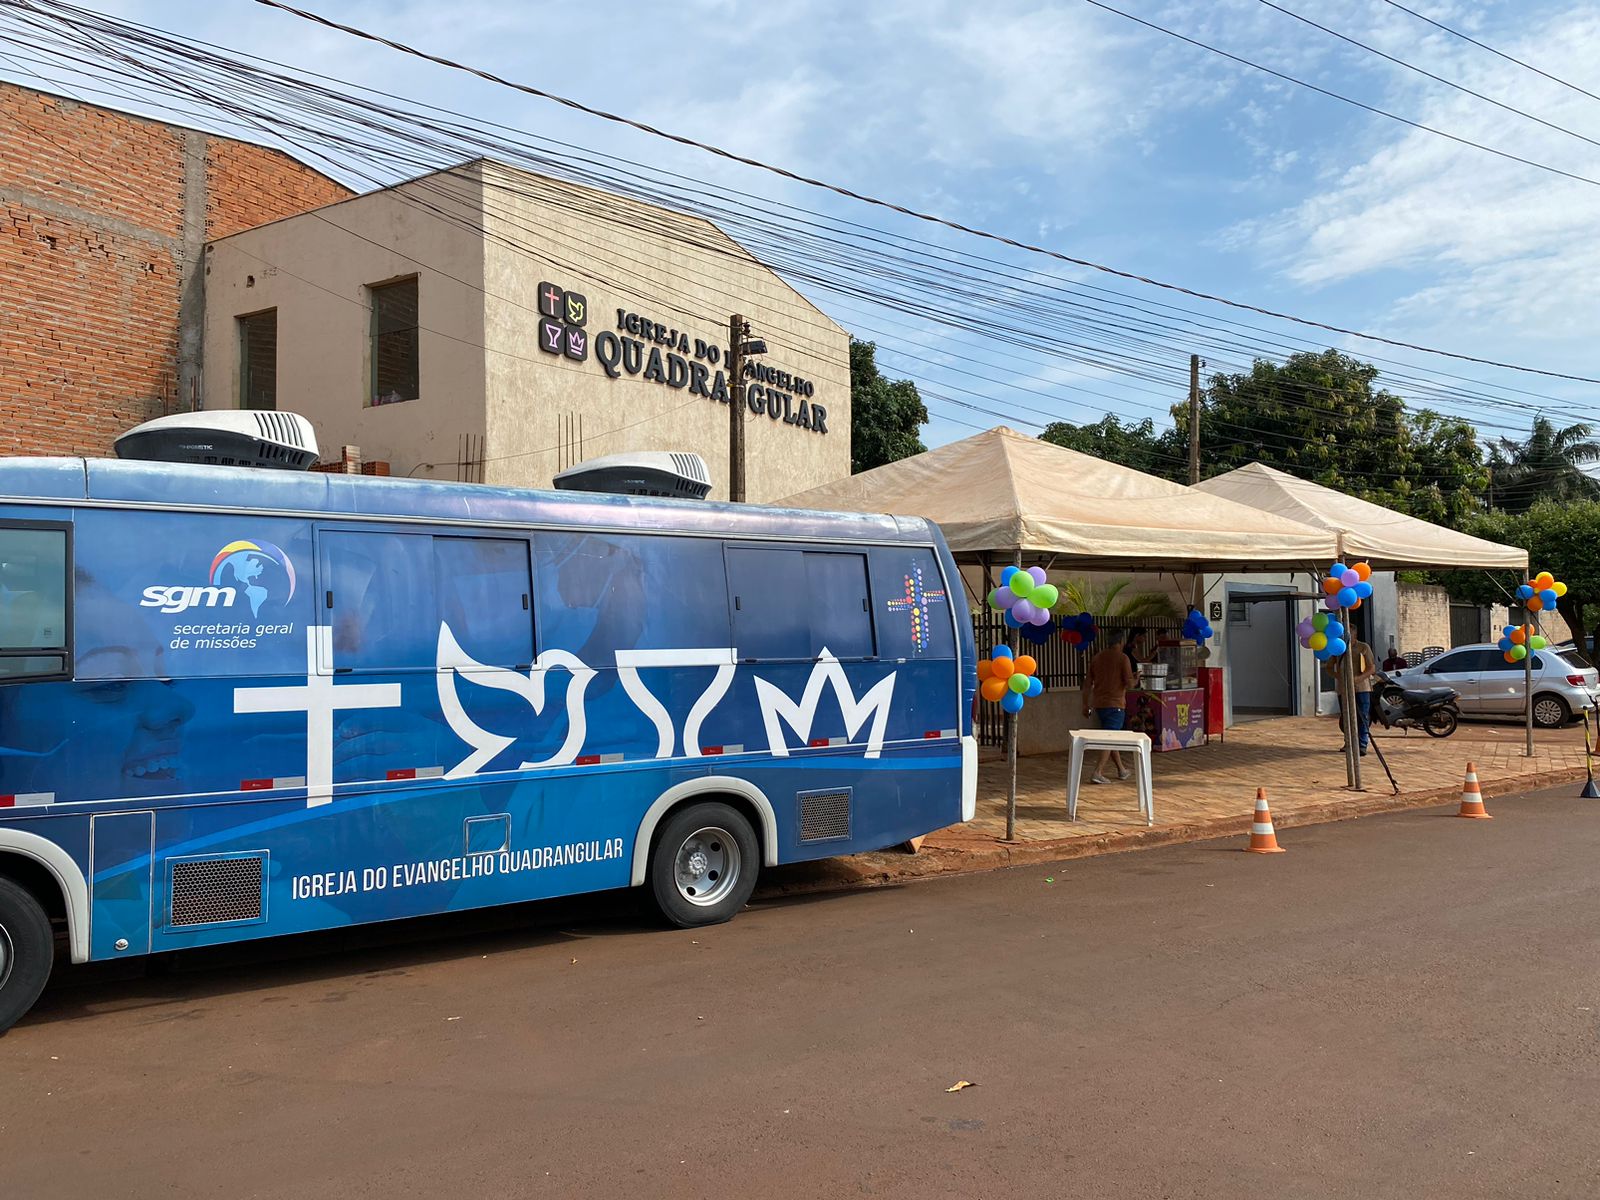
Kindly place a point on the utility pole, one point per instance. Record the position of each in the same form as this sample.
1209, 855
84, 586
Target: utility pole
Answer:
738, 327
1194, 419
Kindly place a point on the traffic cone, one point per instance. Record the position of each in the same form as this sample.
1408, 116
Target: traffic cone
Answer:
1472, 796
1263, 839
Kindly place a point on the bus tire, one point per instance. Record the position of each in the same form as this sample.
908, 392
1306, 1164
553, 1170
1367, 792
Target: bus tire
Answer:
704, 864
27, 952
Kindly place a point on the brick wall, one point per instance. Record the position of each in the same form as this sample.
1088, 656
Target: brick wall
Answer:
103, 222
1423, 617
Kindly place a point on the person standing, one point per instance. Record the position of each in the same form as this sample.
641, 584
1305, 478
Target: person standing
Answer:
1134, 648
1105, 690
1358, 658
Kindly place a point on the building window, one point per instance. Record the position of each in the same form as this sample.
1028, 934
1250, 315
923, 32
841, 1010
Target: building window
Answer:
258, 360
394, 341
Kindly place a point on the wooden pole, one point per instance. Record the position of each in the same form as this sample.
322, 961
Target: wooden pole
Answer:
1347, 701
1014, 641
1194, 419
1530, 626
737, 328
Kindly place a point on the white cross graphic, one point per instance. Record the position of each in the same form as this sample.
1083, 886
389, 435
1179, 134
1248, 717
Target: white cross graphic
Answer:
319, 699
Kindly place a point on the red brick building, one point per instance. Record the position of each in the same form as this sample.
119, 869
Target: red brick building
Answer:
104, 218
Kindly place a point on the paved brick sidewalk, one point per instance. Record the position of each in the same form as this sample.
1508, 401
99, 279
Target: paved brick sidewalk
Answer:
1210, 792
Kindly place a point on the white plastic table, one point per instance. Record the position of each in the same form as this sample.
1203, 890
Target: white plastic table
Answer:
1085, 740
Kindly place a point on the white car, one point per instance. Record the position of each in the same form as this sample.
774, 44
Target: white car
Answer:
1491, 686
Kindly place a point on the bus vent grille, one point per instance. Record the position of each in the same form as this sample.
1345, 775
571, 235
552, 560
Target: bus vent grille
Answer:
825, 816
206, 891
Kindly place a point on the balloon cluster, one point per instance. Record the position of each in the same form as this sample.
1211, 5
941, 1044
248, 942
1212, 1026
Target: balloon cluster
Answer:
1517, 640
1323, 634
1038, 635
1196, 628
1007, 680
1544, 592
1346, 587
1026, 597
1079, 630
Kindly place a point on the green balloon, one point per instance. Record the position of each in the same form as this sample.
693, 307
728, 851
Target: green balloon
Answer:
1518, 653
1538, 642
1022, 585
1045, 595
993, 598
1018, 683
1319, 621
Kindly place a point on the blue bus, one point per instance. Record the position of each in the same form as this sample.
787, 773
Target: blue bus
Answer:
239, 703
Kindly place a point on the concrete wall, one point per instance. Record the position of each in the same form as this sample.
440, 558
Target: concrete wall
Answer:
315, 270
1424, 617
103, 217
676, 272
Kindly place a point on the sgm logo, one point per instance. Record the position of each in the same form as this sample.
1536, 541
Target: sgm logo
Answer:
258, 570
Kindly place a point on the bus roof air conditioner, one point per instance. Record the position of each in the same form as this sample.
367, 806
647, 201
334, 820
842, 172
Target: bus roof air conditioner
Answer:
647, 473
226, 438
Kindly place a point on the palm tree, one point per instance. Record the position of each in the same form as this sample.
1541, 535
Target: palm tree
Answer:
1549, 465
1081, 595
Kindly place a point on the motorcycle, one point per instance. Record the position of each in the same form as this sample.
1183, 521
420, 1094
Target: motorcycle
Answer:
1431, 709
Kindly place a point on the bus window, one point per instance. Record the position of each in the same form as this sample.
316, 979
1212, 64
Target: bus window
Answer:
378, 590
793, 604
33, 602
486, 597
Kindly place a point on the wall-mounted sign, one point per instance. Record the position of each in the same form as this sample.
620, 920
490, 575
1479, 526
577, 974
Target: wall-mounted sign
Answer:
659, 353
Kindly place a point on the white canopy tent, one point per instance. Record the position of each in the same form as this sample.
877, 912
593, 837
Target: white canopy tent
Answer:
1002, 492
1385, 539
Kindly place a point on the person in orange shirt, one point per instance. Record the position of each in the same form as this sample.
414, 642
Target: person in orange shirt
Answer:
1106, 692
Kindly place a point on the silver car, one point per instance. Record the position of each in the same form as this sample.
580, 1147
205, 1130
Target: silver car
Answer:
1491, 686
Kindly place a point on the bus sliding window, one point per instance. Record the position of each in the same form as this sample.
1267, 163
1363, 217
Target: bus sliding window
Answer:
794, 604
34, 609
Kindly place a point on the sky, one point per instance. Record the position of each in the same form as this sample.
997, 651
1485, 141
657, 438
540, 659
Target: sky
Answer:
1071, 127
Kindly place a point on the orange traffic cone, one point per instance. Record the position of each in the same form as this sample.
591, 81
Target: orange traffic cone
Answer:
1472, 796
1263, 839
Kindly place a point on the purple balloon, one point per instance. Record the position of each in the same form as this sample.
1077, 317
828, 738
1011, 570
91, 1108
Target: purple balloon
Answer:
1350, 578
1005, 597
1331, 604
1023, 611
1042, 617
1039, 577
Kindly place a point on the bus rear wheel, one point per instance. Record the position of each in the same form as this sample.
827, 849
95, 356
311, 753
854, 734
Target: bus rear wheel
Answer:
27, 950
704, 865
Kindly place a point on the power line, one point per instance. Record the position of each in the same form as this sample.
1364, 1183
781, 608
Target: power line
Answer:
1400, 62
1527, 66
1361, 104
1003, 239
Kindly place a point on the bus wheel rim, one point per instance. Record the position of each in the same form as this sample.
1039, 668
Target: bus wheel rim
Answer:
706, 867
8, 955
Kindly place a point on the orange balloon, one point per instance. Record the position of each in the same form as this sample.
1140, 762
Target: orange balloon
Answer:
1544, 580
1535, 604
1355, 606
985, 669
1363, 570
994, 690
1331, 585
1519, 635
1507, 656
1026, 665
1003, 668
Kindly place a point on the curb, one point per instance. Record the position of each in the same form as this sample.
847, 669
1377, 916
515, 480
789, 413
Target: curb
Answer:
859, 872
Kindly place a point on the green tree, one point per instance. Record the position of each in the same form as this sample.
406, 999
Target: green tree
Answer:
1109, 600
1132, 445
1560, 537
886, 415
1323, 417
1548, 465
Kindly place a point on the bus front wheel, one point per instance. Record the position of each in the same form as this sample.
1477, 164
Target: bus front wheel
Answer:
27, 950
704, 865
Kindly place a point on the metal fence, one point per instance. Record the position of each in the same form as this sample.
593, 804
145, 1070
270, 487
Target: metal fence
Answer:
1061, 665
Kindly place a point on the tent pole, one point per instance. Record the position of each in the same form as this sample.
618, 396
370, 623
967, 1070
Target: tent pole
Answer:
1015, 643
1530, 626
1347, 702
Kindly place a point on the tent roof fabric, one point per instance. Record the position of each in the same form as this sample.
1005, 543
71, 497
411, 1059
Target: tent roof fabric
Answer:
1002, 491
1385, 539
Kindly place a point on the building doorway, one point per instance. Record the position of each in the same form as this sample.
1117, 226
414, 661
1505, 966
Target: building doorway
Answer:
1261, 652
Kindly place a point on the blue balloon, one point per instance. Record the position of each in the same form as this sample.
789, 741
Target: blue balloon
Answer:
1363, 590
1012, 702
1549, 597
1336, 647
1333, 628
1525, 592
1510, 629
1346, 597
1035, 686
1011, 621
1337, 570
1005, 576
1000, 652
1504, 643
